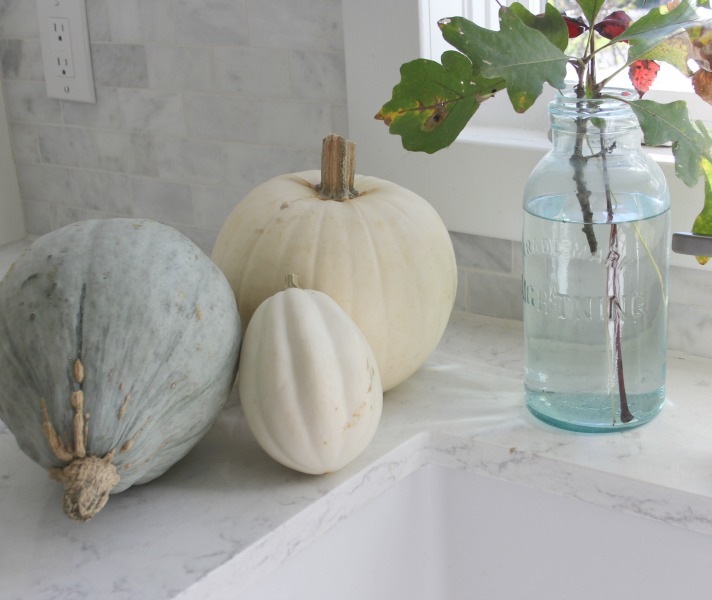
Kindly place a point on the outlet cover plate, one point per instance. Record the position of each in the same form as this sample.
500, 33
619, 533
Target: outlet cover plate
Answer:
72, 50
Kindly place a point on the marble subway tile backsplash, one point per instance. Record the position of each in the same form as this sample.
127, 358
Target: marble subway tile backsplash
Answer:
198, 101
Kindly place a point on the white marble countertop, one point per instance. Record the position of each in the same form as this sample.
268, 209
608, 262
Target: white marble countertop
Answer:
227, 514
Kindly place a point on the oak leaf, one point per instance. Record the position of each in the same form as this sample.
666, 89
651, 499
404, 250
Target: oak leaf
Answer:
702, 82
433, 102
574, 26
613, 25
642, 73
520, 55
703, 222
663, 123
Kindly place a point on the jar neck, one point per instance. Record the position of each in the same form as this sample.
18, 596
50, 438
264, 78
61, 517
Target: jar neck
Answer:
602, 123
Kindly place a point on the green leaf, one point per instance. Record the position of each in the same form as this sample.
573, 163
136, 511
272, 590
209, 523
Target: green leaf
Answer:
433, 102
674, 51
550, 23
663, 123
590, 9
656, 25
520, 55
703, 222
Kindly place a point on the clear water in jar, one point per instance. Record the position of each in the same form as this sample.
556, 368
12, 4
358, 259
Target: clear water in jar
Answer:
571, 374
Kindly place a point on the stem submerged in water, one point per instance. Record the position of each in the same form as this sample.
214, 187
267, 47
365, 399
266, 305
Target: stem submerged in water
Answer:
578, 161
613, 285
614, 318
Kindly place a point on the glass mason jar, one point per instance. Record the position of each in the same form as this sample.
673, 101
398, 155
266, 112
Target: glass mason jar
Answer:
596, 242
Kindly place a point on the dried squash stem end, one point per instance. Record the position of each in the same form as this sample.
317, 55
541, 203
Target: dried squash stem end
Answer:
88, 480
338, 169
87, 483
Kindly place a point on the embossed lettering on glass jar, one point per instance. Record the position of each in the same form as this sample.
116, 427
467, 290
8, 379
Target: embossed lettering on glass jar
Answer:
596, 242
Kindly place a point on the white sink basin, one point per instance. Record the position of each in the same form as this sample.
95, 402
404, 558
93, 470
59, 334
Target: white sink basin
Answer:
444, 534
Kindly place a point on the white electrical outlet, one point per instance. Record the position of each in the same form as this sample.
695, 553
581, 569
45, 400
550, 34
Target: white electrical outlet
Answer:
64, 37
61, 48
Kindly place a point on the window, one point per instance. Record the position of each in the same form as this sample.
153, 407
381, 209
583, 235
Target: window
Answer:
482, 12
476, 184
669, 84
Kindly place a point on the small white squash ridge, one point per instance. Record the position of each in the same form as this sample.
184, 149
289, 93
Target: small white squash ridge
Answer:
308, 382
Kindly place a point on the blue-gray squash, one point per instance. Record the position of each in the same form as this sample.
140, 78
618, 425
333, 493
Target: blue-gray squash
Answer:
119, 341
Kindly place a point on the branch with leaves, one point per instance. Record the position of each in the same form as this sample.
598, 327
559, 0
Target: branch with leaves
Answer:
434, 101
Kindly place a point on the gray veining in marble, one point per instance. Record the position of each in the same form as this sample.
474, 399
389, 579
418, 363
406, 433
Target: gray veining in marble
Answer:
98, 21
495, 295
21, 59
177, 68
27, 101
18, 19
140, 21
95, 190
252, 164
103, 115
67, 146
478, 252
213, 205
299, 24
262, 72
119, 65
191, 161
318, 75
126, 152
149, 111
220, 22
24, 143
45, 183
40, 213
162, 201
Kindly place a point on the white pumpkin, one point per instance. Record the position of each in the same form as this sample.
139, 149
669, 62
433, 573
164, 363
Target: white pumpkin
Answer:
384, 255
308, 382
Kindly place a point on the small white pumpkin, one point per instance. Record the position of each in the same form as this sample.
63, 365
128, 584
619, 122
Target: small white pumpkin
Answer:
379, 250
308, 382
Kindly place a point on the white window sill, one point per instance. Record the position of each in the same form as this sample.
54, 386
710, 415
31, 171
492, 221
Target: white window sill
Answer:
535, 139
516, 138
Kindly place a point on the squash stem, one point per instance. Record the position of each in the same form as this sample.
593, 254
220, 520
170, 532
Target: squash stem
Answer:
338, 168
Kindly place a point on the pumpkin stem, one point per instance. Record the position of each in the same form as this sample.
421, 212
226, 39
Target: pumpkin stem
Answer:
291, 281
338, 167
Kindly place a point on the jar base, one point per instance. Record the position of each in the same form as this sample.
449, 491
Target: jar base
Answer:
592, 413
